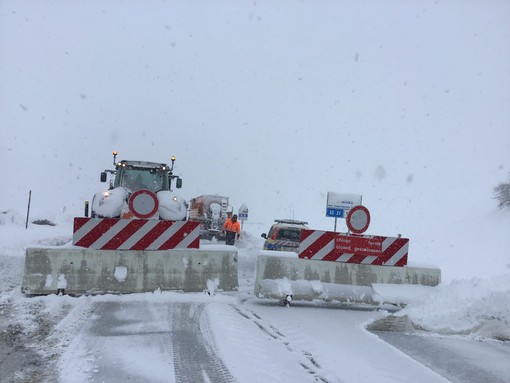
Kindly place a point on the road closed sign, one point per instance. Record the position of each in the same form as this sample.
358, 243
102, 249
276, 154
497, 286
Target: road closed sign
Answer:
366, 246
358, 219
143, 203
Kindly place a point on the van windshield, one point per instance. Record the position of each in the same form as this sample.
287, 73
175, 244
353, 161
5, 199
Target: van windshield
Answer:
289, 234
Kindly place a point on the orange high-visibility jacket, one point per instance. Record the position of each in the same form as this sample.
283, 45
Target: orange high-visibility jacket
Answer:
232, 226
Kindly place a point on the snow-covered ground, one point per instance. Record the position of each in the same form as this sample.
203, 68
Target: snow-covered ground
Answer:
115, 338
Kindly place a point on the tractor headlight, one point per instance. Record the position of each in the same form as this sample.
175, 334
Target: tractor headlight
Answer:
175, 198
104, 196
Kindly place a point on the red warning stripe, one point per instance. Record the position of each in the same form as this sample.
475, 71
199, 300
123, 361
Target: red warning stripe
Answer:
152, 235
400, 248
374, 250
314, 241
97, 231
123, 235
78, 223
135, 234
331, 256
177, 238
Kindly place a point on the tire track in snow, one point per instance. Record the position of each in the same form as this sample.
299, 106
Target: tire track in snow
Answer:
308, 362
194, 351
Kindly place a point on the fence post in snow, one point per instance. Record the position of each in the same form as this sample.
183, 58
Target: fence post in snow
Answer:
28, 208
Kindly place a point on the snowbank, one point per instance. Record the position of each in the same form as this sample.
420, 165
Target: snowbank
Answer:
479, 308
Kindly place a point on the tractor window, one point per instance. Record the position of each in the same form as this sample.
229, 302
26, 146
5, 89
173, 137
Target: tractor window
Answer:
138, 179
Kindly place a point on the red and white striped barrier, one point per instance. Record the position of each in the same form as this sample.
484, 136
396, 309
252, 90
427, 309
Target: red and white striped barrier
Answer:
135, 234
361, 249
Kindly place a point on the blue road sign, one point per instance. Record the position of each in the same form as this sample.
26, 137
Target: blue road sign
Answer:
335, 212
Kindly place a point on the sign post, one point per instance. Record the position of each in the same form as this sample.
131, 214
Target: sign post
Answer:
28, 208
243, 214
338, 205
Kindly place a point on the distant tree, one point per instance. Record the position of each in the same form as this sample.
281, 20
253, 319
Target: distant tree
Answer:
502, 193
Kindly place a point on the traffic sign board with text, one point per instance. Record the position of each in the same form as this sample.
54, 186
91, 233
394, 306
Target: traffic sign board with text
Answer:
335, 212
338, 205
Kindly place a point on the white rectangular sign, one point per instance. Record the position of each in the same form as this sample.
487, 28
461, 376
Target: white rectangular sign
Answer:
243, 213
338, 204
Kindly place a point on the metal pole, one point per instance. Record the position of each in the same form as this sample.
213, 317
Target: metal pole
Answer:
86, 208
335, 225
28, 208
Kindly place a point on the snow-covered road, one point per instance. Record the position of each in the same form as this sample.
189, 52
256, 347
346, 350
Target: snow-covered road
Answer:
460, 360
223, 339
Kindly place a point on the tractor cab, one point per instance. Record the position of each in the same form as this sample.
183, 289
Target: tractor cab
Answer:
142, 175
136, 175
140, 189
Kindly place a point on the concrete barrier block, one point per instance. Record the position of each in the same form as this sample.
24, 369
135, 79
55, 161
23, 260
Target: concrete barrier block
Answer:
277, 276
78, 271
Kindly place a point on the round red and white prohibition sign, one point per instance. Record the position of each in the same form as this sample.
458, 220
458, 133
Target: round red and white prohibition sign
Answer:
358, 219
143, 204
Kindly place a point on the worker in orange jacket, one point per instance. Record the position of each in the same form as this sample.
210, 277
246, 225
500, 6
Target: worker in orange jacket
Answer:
232, 227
